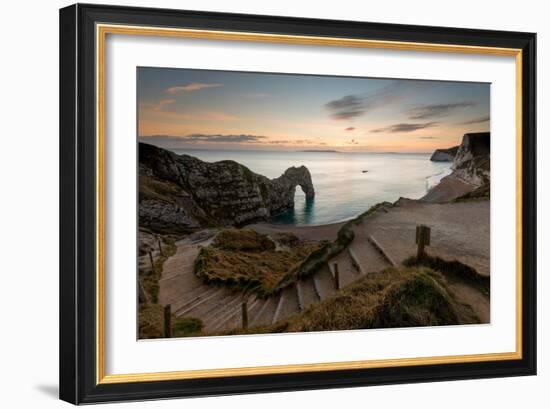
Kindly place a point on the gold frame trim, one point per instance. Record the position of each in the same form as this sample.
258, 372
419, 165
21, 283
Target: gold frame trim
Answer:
102, 30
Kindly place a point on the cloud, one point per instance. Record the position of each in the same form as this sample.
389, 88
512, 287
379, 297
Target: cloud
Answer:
436, 110
346, 107
226, 138
162, 103
352, 106
167, 108
404, 127
202, 138
349, 128
174, 141
295, 142
479, 120
192, 86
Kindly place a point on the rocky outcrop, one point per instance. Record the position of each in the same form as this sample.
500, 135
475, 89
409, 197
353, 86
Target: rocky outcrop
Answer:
181, 192
471, 170
472, 163
444, 155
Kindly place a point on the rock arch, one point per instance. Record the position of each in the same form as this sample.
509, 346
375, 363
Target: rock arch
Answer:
299, 177
284, 188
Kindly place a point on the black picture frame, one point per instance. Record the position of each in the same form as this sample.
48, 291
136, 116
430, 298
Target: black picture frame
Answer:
78, 355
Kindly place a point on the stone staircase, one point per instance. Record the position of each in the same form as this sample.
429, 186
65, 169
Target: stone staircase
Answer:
220, 309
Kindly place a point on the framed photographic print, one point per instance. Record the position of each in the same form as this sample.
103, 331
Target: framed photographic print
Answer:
257, 203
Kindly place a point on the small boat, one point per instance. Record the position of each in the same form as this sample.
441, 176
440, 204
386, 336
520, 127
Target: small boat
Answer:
365, 171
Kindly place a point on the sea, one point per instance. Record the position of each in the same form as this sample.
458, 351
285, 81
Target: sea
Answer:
346, 183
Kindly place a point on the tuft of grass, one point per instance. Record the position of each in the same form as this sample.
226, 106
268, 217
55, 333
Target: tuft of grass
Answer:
453, 269
186, 327
421, 300
285, 239
247, 260
242, 240
151, 321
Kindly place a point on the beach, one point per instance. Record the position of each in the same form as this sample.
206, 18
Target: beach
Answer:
321, 232
449, 188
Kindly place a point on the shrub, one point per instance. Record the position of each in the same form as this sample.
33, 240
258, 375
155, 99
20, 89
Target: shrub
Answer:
186, 327
453, 269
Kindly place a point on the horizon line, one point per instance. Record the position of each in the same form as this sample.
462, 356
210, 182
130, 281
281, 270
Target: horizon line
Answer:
294, 151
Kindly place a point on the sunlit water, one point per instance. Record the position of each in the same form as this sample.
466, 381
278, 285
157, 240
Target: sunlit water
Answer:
342, 189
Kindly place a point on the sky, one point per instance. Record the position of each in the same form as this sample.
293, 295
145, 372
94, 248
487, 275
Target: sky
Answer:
207, 109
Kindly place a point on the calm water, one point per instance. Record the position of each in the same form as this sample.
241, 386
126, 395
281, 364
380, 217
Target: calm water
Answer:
342, 190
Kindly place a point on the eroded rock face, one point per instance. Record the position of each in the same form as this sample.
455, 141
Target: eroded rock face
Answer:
444, 155
471, 171
179, 192
472, 163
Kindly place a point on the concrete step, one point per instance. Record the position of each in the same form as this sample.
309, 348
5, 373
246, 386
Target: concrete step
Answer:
355, 261
348, 273
202, 308
264, 315
209, 311
382, 251
324, 282
288, 304
193, 297
307, 295
233, 318
371, 259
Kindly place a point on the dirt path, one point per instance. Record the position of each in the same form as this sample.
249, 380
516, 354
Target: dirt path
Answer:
186, 293
459, 231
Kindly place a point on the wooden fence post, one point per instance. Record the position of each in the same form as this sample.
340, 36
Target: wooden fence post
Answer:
244, 310
168, 321
151, 260
336, 277
422, 240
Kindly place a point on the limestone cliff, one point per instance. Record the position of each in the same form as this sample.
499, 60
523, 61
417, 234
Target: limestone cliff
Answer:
181, 192
471, 170
472, 163
444, 155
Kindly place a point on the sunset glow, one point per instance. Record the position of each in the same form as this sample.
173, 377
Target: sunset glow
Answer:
204, 109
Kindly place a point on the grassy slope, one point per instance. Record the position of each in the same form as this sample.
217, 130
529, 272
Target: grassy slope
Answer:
454, 270
393, 298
